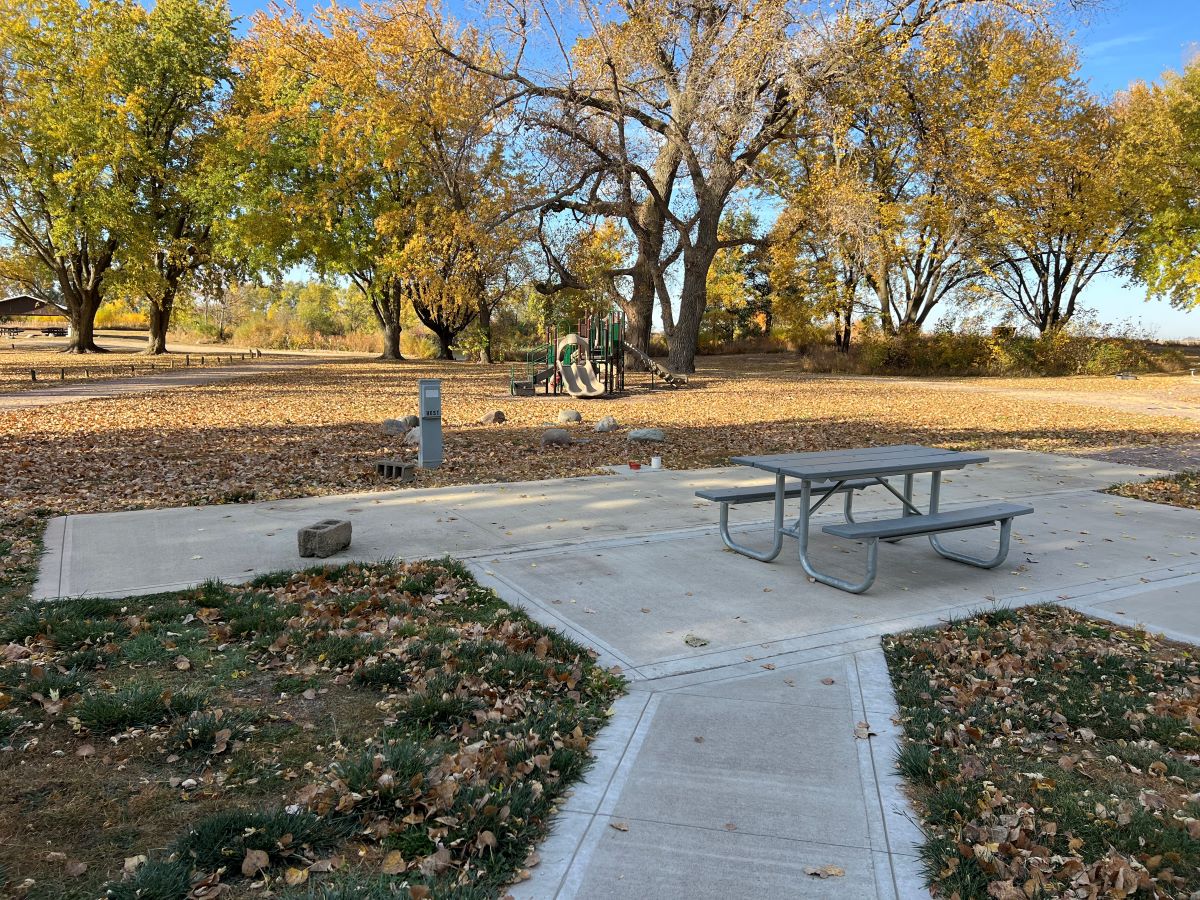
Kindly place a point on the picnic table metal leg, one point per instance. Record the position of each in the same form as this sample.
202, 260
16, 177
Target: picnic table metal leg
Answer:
769, 555
935, 491
801, 533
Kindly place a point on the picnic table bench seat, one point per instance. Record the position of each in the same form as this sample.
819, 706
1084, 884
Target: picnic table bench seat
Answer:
766, 493
930, 523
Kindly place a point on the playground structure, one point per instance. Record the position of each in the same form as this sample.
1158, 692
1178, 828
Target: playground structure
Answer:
587, 362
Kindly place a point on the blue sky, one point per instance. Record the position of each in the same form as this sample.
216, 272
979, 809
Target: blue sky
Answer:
1127, 40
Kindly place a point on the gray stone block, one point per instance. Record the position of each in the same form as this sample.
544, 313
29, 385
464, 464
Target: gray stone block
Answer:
556, 436
647, 434
567, 416
608, 423
393, 427
400, 469
411, 421
495, 417
413, 438
325, 538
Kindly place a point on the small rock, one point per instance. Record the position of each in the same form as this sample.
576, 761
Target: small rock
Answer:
393, 427
495, 417
556, 437
188, 783
647, 434
411, 421
413, 438
608, 423
569, 415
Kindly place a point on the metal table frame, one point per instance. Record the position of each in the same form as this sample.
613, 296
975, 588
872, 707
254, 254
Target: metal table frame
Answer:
873, 463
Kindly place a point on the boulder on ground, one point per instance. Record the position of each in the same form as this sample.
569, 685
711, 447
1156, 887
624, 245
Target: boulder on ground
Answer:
394, 427
413, 438
412, 421
569, 415
647, 434
556, 437
495, 417
608, 423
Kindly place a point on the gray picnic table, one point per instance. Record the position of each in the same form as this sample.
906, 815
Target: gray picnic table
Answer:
819, 476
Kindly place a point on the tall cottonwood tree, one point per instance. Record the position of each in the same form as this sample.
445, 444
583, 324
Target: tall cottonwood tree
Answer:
473, 223
328, 152
65, 152
368, 158
177, 66
1158, 155
1056, 213
671, 104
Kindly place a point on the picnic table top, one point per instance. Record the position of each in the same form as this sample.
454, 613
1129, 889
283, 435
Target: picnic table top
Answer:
901, 459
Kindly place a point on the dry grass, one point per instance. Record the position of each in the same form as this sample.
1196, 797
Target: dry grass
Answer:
315, 430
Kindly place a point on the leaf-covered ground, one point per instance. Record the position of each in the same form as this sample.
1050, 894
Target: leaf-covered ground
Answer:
1051, 756
1178, 490
315, 430
386, 730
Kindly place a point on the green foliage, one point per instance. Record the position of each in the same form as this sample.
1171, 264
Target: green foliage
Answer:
1161, 166
222, 839
135, 704
155, 880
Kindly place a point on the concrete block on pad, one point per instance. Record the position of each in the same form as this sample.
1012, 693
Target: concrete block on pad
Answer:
325, 538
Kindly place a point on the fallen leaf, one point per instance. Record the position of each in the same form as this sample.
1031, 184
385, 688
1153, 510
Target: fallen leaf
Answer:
825, 871
393, 863
620, 826
254, 862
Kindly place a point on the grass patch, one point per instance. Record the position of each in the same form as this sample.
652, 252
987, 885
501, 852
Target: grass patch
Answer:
316, 722
1049, 753
134, 705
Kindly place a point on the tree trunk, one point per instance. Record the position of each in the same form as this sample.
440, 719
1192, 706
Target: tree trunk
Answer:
445, 344
842, 333
391, 341
83, 310
639, 312
387, 302
485, 332
684, 339
160, 321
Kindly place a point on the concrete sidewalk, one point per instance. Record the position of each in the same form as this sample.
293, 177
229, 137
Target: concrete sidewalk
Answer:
733, 767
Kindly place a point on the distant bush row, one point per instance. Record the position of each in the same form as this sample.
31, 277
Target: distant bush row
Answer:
1054, 353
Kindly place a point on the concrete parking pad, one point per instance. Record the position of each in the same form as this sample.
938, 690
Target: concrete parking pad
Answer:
756, 741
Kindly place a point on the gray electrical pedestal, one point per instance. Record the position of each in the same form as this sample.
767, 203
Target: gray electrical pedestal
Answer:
429, 456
